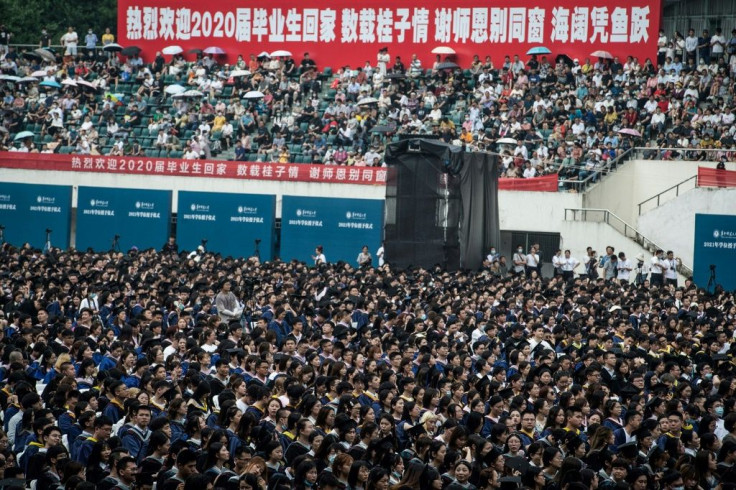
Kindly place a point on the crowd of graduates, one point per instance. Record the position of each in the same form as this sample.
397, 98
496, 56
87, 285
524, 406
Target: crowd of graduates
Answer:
195, 371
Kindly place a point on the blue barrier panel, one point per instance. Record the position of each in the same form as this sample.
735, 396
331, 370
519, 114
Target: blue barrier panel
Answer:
231, 223
341, 226
714, 261
28, 210
139, 217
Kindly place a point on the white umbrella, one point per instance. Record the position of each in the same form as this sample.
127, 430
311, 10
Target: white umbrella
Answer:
280, 52
172, 50
39, 73
175, 89
443, 50
10, 78
264, 54
28, 80
253, 94
368, 101
506, 141
87, 84
214, 50
189, 93
69, 81
239, 73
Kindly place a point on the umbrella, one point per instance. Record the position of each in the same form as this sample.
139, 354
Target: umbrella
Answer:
443, 50
87, 84
39, 73
239, 73
214, 50
383, 128
69, 81
32, 55
253, 94
448, 65
539, 50
115, 97
506, 141
28, 80
563, 58
629, 132
50, 83
395, 75
112, 47
175, 89
45, 54
189, 93
23, 134
602, 54
264, 55
172, 50
10, 78
368, 101
195, 51
130, 51
280, 52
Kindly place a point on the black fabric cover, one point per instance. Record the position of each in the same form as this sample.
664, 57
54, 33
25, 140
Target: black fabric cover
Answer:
441, 205
479, 228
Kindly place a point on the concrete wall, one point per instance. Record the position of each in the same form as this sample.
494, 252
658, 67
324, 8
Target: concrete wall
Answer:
635, 182
672, 225
535, 211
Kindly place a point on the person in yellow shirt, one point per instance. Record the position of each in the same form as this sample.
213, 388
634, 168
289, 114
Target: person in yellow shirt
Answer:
284, 155
466, 136
219, 122
587, 67
108, 37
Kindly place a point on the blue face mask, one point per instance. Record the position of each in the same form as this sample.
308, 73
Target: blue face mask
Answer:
719, 412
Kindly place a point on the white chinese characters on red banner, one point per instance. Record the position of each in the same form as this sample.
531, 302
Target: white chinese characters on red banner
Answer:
194, 168
470, 27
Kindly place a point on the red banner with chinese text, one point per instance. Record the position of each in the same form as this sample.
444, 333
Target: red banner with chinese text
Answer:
284, 172
712, 177
546, 183
339, 33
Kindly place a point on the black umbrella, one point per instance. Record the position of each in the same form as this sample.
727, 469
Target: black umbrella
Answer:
448, 65
130, 51
194, 51
30, 55
563, 58
112, 47
395, 76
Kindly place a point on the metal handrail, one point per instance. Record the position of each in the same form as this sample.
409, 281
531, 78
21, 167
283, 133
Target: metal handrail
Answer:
581, 185
611, 219
718, 151
676, 188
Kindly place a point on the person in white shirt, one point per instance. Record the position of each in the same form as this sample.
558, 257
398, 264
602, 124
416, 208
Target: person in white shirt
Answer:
568, 265
670, 273
319, 256
691, 45
532, 261
657, 267
624, 267
717, 45
69, 40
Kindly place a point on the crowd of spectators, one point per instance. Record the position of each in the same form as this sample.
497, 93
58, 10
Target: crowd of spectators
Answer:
195, 371
564, 115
